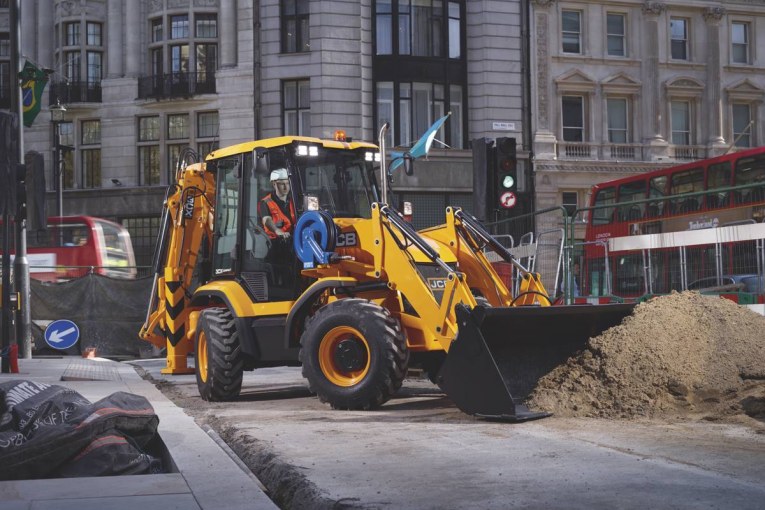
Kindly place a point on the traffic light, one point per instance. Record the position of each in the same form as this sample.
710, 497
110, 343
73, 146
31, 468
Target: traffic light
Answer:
506, 172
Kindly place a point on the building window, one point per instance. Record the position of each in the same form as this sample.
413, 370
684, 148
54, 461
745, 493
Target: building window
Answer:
157, 30
616, 32
573, 118
681, 122
384, 27
206, 26
72, 66
455, 29
179, 26
5, 71
148, 151
295, 29
143, 233
419, 105
66, 138
296, 107
740, 42
94, 34
617, 120
207, 128
207, 61
177, 126
72, 34
179, 59
742, 124
571, 31
570, 201
94, 68
678, 28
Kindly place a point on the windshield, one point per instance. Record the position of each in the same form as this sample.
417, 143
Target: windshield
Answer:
342, 180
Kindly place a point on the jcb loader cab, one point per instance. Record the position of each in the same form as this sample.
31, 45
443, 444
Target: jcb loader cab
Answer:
353, 293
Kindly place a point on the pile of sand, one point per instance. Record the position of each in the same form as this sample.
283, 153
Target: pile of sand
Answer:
681, 353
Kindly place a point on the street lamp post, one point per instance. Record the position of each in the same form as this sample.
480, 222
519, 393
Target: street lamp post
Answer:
57, 112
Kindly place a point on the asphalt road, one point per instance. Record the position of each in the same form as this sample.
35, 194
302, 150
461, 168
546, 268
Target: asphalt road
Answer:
420, 452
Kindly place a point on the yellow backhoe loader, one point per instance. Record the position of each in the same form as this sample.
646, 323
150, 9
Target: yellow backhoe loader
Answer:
355, 295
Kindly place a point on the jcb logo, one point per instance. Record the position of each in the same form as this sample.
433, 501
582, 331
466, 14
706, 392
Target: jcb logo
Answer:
188, 207
347, 239
437, 283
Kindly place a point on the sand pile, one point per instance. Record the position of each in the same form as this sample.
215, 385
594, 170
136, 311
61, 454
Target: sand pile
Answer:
681, 353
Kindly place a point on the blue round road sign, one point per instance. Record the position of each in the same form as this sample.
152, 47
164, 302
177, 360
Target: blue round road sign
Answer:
62, 334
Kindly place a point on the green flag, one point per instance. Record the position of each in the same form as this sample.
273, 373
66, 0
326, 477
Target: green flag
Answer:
33, 82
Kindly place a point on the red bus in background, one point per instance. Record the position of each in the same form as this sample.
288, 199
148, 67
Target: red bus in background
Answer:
73, 246
668, 229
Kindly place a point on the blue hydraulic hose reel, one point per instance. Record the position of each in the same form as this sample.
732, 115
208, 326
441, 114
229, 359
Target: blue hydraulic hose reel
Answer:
314, 238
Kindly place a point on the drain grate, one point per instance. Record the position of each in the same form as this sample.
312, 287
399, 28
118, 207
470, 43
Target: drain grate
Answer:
90, 371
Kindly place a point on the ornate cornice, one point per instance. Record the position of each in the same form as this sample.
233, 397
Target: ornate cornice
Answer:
654, 8
544, 4
714, 13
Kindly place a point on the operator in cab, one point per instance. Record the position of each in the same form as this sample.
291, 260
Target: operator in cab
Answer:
276, 208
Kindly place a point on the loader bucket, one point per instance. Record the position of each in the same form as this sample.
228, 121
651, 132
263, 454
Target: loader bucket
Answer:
499, 354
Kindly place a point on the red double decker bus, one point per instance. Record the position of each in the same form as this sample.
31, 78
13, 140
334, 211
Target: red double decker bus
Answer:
73, 246
699, 225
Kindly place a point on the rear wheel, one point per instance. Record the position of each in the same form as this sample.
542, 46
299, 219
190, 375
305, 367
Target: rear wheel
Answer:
354, 354
219, 363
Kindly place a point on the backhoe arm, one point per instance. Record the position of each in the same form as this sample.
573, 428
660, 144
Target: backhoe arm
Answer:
186, 224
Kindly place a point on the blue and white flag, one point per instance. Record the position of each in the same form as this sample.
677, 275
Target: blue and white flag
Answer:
420, 148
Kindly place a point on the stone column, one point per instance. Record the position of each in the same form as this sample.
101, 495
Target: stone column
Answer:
45, 30
28, 13
228, 31
132, 39
712, 103
544, 138
114, 39
652, 101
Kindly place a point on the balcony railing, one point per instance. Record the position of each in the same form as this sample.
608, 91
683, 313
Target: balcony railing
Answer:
162, 86
623, 152
689, 152
75, 92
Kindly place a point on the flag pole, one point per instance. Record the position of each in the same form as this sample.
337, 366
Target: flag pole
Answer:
21, 262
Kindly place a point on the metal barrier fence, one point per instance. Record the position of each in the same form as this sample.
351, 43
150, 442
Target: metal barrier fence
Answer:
55, 274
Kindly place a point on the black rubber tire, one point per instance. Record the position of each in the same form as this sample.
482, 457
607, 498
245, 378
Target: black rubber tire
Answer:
220, 367
380, 337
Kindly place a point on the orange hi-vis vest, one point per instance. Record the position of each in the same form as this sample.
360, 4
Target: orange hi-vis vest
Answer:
277, 215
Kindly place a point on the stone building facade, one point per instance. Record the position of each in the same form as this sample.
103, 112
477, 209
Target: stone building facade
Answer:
625, 87
140, 80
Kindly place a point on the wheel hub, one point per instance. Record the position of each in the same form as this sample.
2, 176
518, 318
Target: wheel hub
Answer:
350, 355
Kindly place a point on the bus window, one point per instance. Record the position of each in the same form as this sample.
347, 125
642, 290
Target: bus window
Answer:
116, 247
718, 176
628, 275
630, 192
657, 188
750, 171
604, 215
688, 181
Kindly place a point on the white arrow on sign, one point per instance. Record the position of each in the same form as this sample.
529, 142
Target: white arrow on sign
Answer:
56, 336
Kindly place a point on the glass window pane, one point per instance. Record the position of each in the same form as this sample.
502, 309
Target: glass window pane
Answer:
91, 132
617, 120
207, 124
177, 126
148, 129
455, 121
385, 111
179, 26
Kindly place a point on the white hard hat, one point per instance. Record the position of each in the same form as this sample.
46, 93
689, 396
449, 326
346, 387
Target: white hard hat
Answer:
279, 174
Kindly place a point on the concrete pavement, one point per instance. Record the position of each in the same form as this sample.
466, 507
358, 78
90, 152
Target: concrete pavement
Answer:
206, 475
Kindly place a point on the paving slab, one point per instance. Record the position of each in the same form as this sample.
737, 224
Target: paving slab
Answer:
205, 475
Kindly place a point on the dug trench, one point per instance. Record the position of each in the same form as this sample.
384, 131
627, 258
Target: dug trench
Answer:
677, 358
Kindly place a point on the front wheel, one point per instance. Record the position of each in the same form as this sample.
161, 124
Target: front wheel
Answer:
354, 354
219, 359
